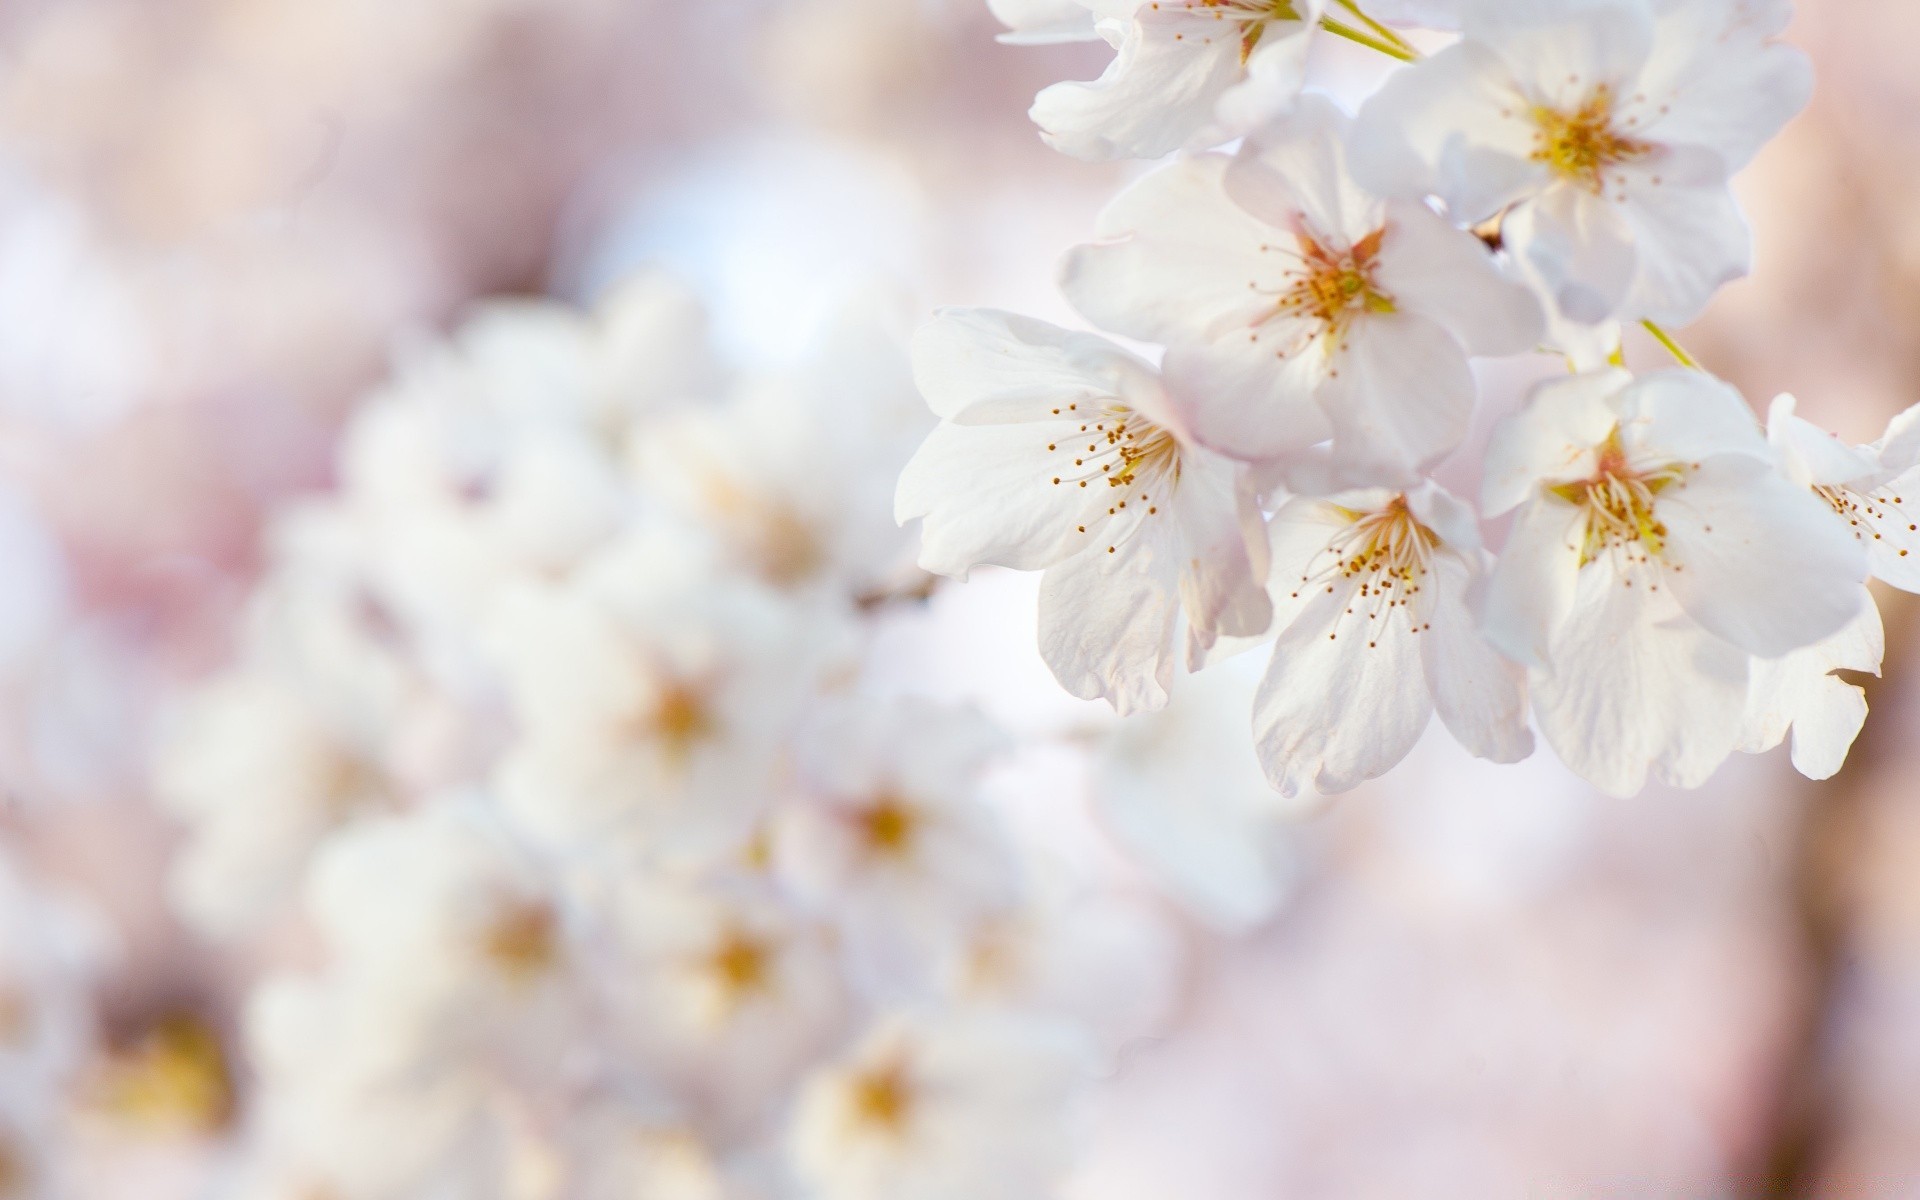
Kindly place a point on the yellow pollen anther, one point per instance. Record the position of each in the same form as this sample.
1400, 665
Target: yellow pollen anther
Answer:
888, 826
1619, 502
1580, 145
883, 1099
523, 940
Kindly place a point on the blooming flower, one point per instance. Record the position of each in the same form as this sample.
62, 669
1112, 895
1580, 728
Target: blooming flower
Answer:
1605, 132
889, 837
793, 472
1059, 451
1656, 549
1865, 486
931, 1108
1372, 595
1186, 74
652, 691
1296, 308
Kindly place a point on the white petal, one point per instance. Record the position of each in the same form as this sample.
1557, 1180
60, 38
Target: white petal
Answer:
1809, 455
1481, 696
981, 365
1455, 126
1433, 269
1635, 688
1180, 261
1581, 247
1722, 88
1757, 560
1037, 22
1275, 71
1889, 528
1399, 397
1298, 169
1551, 438
1243, 401
1335, 708
1800, 692
1107, 623
1681, 415
1224, 543
1155, 97
1531, 591
1688, 242
985, 494
1563, 50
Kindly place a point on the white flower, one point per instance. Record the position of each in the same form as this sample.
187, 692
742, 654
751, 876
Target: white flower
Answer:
1186, 74
1605, 130
1375, 636
1296, 308
1799, 692
456, 939
794, 472
1181, 791
927, 1108
1656, 548
888, 836
1059, 451
1865, 486
651, 691
723, 990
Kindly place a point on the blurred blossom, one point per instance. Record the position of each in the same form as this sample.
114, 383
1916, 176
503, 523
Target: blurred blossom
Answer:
471, 727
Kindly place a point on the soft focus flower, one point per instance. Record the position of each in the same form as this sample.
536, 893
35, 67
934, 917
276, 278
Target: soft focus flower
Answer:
1059, 451
1296, 308
889, 836
932, 1108
1603, 133
1655, 548
651, 692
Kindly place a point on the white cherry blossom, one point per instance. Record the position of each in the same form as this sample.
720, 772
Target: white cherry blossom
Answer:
889, 837
1296, 308
1656, 548
1865, 486
1375, 636
652, 692
1186, 74
931, 1107
1058, 451
1605, 131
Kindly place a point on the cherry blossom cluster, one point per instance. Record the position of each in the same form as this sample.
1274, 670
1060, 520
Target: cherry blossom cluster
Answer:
557, 723
1676, 582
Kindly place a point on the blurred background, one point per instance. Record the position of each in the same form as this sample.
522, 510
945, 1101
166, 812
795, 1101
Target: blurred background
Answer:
222, 222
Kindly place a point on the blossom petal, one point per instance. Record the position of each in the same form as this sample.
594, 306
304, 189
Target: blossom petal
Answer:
1636, 688
1180, 262
1454, 126
1481, 696
985, 494
1689, 242
1156, 96
1757, 560
1399, 397
1107, 623
1799, 692
1581, 247
1551, 438
1334, 709
1431, 268
981, 365
1298, 169
1530, 593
